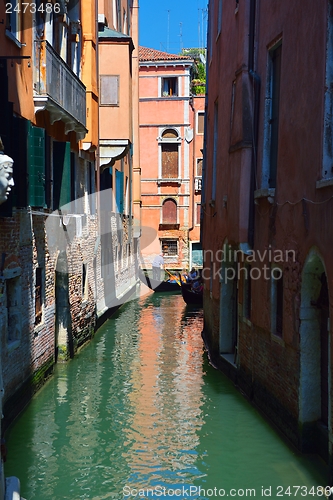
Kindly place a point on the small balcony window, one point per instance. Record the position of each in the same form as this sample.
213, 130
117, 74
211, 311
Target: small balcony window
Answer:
169, 248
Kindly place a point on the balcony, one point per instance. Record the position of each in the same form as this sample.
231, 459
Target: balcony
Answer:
58, 90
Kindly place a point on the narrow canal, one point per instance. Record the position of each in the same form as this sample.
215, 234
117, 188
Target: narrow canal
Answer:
140, 413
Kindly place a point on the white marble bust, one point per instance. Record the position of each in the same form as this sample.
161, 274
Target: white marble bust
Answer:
6, 176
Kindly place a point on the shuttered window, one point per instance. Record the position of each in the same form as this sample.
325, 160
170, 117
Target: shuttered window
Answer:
169, 212
36, 166
61, 174
169, 161
120, 191
109, 88
201, 122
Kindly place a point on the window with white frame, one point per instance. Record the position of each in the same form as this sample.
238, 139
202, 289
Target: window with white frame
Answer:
13, 19
169, 86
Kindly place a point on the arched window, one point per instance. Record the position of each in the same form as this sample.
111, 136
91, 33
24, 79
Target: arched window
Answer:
169, 212
170, 154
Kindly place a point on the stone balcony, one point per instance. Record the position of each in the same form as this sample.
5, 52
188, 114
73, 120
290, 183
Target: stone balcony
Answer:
58, 90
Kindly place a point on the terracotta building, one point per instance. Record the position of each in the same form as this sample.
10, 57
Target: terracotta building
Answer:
171, 139
268, 208
119, 152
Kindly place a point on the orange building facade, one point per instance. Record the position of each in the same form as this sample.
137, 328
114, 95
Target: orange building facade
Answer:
171, 139
118, 149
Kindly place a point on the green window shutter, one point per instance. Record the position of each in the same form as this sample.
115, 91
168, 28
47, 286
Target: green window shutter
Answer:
120, 191
61, 174
36, 166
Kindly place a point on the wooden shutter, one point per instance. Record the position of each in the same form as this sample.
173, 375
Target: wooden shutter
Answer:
201, 123
120, 191
169, 212
36, 166
61, 174
169, 161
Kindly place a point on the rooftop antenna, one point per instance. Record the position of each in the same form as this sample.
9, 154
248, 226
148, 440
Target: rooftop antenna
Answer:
181, 37
168, 37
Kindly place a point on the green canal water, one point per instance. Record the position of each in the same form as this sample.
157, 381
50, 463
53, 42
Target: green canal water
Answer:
140, 413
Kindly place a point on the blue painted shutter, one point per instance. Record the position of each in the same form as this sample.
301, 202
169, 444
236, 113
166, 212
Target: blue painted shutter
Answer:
120, 191
36, 166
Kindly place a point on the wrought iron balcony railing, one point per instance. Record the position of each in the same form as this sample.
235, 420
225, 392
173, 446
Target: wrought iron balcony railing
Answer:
58, 89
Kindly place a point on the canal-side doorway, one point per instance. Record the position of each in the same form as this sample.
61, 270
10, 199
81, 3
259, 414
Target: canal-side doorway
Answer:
63, 342
314, 358
228, 332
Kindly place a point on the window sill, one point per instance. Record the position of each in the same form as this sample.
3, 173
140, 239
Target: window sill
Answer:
168, 226
268, 193
13, 38
276, 338
246, 321
169, 181
324, 183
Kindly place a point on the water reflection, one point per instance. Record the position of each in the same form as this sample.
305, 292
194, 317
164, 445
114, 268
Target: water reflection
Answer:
141, 407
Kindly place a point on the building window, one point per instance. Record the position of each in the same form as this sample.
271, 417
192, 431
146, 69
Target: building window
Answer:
109, 90
327, 167
169, 154
169, 212
13, 304
277, 301
169, 247
169, 87
201, 122
13, 19
38, 295
272, 105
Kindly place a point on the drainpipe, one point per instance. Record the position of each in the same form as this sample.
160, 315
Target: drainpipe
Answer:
255, 80
193, 169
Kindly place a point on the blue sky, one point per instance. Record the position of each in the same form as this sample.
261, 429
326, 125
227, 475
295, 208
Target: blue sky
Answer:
172, 25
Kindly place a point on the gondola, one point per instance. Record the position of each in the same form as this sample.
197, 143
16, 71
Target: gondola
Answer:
190, 297
158, 286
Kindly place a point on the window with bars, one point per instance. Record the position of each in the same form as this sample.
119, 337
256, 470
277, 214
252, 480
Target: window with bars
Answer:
169, 247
